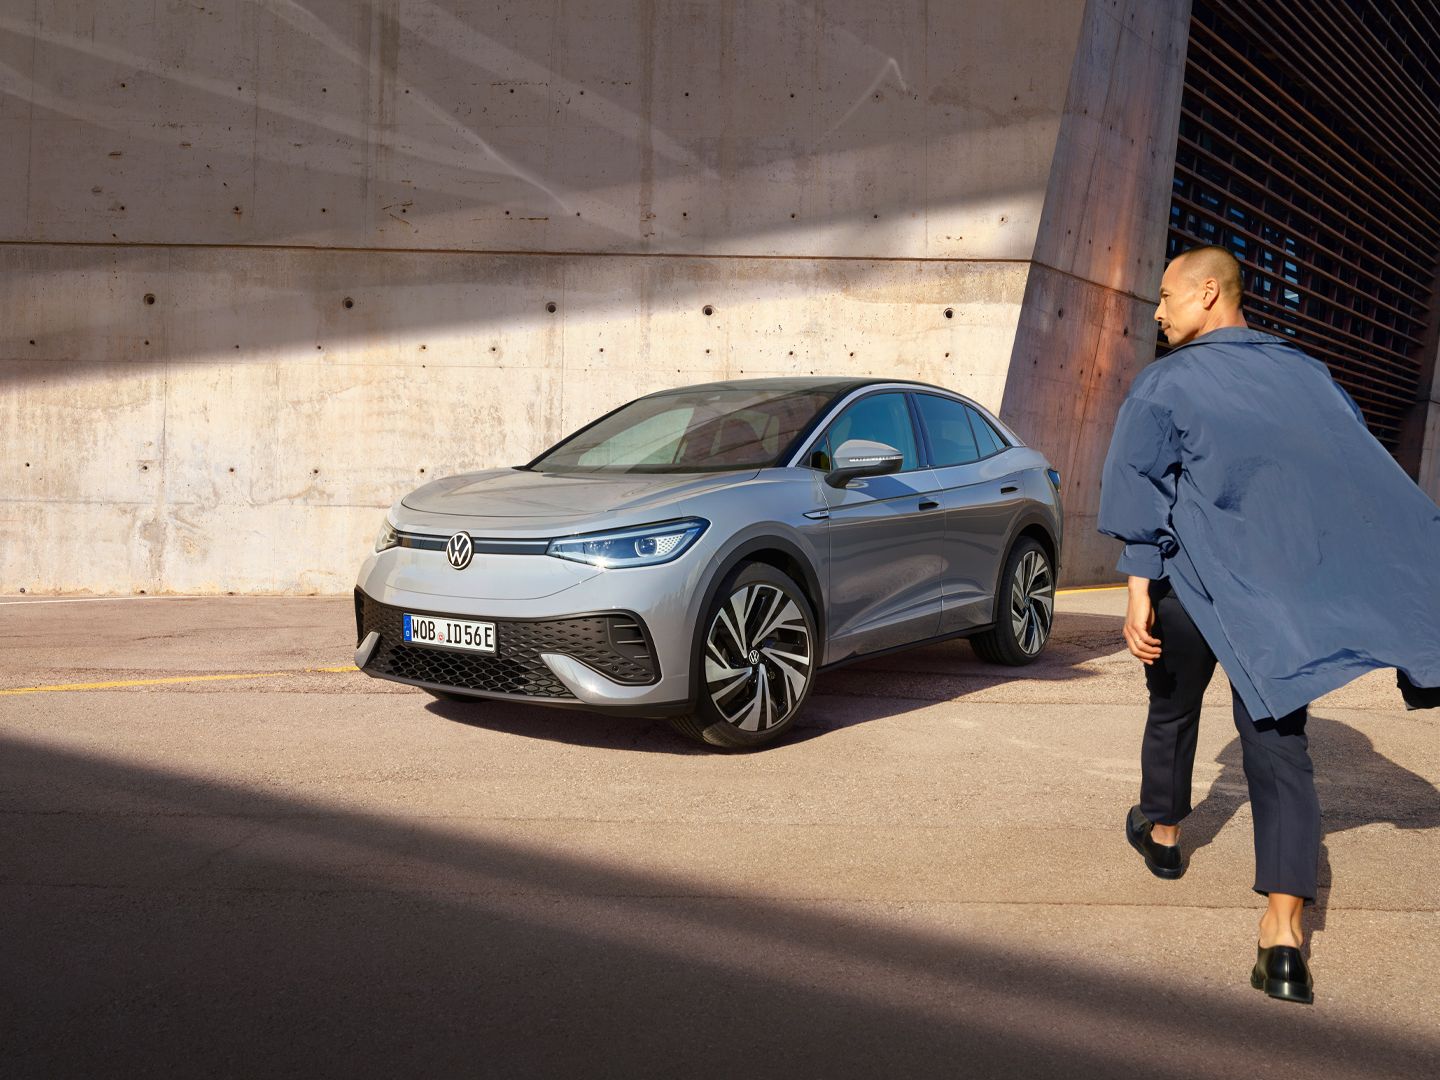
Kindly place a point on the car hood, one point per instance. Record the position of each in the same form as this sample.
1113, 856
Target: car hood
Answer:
548, 497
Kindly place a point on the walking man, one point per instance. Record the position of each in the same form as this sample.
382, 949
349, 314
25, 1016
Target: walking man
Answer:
1267, 530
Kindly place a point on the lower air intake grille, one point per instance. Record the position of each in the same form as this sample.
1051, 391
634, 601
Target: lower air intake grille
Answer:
615, 645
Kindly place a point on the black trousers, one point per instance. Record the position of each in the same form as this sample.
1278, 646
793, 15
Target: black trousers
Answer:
1276, 756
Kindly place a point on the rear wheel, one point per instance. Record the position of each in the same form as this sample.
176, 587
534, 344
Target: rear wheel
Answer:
1026, 608
758, 654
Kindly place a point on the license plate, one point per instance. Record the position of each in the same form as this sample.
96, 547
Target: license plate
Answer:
450, 633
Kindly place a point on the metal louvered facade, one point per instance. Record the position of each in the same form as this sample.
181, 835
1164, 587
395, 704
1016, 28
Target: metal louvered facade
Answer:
1309, 145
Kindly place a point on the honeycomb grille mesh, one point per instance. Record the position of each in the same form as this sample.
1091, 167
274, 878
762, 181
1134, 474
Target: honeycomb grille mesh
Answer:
615, 645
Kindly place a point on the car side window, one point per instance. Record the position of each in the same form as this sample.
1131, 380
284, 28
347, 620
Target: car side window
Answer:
947, 423
820, 457
985, 435
881, 418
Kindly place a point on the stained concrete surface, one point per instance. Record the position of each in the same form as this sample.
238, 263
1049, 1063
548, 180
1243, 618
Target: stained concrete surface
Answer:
270, 265
311, 872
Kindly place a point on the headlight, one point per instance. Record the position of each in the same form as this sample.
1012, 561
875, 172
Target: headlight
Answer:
387, 537
648, 545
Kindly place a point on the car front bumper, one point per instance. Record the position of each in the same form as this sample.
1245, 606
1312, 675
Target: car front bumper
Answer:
598, 660
566, 634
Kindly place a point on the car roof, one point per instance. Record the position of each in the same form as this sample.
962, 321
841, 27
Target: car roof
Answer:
832, 384
837, 387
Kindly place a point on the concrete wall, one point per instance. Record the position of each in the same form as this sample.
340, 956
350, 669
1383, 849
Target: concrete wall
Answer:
266, 265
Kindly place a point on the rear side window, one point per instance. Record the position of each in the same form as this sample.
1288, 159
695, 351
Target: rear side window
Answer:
881, 418
986, 437
952, 436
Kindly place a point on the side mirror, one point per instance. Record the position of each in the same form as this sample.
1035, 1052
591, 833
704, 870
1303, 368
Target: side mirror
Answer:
862, 457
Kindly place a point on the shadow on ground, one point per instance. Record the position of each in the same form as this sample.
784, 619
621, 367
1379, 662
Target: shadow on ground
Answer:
1349, 772
164, 924
842, 697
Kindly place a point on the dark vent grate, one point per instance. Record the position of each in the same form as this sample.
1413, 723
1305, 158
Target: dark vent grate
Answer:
615, 645
1309, 145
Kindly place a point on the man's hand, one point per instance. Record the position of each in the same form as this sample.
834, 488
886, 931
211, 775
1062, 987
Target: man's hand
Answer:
1139, 618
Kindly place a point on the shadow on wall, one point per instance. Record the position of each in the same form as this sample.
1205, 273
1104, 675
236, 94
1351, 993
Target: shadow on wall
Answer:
738, 129
480, 105
208, 928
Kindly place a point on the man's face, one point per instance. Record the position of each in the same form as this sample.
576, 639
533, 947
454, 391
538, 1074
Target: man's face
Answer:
1181, 313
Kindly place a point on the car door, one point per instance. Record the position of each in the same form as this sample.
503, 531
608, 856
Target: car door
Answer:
981, 495
886, 534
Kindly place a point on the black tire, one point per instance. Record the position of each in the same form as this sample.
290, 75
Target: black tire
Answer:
758, 653
1024, 609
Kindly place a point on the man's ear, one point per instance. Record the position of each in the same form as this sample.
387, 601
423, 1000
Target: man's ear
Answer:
1209, 293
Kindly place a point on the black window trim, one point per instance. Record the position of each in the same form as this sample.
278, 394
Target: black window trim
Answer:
922, 433
971, 414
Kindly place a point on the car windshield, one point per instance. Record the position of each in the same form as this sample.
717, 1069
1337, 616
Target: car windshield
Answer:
700, 430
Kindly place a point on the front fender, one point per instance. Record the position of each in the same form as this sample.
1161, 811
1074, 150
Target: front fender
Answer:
801, 551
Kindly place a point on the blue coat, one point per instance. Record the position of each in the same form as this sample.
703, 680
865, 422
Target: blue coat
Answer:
1242, 472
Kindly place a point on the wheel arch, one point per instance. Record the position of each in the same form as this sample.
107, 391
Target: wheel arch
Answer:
1041, 535
1034, 526
784, 556
776, 551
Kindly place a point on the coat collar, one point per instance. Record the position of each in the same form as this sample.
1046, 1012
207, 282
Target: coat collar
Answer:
1234, 335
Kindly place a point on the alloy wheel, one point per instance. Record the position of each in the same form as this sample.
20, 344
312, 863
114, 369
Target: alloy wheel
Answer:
1032, 602
758, 657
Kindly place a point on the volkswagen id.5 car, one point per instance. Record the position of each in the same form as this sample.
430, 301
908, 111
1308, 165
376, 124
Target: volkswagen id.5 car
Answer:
701, 553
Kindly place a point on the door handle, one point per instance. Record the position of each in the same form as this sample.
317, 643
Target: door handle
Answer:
928, 504
1009, 489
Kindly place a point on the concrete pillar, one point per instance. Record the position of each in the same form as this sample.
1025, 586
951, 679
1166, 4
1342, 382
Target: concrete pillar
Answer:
1086, 325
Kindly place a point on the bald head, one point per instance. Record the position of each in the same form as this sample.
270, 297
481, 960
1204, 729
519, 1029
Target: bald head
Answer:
1211, 261
1200, 292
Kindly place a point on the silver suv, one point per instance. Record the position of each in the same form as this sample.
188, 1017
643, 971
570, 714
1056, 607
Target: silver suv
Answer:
701, 553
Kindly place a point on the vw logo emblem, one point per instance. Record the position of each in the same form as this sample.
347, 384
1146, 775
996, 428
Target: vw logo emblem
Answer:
459, 550
754, 656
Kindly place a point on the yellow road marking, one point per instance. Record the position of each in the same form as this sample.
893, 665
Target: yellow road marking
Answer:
170, 680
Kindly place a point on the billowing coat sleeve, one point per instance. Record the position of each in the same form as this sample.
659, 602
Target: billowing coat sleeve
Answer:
1137, 488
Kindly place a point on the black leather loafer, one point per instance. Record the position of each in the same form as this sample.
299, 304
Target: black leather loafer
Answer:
1417, 697
1162, 859
1281, 972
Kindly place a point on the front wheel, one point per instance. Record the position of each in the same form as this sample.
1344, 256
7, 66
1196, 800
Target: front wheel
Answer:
758, 655
1025, 611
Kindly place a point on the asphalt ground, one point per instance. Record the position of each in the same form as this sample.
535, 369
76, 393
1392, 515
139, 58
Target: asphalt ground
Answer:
248, 863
